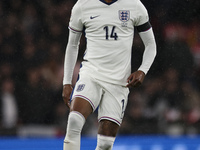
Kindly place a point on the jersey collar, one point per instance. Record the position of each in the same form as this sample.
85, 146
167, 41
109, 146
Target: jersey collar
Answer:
103, 1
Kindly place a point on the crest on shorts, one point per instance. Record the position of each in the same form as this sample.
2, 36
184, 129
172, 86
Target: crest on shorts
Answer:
124, 15
80, 87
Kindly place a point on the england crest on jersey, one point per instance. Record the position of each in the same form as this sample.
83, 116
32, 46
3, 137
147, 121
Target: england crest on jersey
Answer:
124, 16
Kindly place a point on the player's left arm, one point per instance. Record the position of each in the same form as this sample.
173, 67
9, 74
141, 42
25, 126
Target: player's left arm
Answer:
146, 33
150, 50
147, 36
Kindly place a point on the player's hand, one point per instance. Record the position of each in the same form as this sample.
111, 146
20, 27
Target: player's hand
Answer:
135, 79
67, 90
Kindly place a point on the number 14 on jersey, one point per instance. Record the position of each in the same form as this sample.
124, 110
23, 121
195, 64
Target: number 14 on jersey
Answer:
113, 34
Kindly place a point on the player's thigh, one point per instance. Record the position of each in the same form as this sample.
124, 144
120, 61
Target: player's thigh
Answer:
113, 103
82, 106
86, 95
108, 128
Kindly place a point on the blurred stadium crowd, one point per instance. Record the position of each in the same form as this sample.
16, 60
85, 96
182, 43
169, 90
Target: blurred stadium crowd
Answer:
33, 37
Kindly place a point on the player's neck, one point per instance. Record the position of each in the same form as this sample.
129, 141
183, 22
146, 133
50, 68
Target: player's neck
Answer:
108, 1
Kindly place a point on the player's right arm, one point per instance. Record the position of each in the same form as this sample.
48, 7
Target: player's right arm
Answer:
75, 32
69, 64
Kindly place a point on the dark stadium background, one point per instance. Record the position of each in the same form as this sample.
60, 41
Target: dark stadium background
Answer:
33, 37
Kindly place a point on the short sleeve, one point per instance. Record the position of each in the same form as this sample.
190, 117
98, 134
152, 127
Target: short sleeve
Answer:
75, 22
142, 14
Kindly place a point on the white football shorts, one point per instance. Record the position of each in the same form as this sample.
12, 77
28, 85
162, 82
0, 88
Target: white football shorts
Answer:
109, 99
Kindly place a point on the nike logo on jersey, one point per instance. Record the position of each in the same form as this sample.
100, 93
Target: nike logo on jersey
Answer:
92, 17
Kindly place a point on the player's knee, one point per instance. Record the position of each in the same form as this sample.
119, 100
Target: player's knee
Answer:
104, 142
75, 123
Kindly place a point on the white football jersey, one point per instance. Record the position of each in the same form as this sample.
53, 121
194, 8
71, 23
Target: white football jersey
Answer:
109, 30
